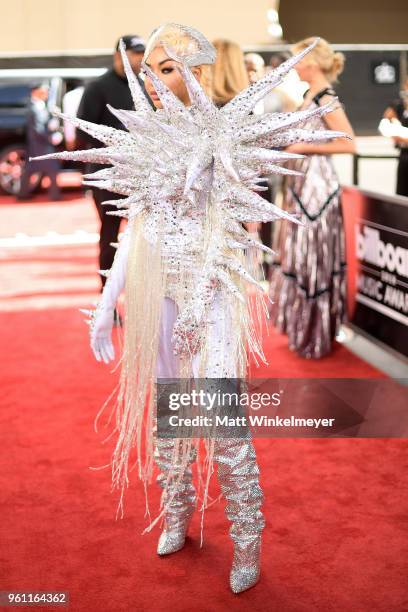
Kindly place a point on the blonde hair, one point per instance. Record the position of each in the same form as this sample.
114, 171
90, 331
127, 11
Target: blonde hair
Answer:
330, 62
230, 75
184, 44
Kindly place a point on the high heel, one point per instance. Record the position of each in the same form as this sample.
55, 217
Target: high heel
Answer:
238, 475
173, 539
246, 565
178, 498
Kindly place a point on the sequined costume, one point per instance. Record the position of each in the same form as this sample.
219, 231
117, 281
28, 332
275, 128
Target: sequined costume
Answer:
189, 177
308, 279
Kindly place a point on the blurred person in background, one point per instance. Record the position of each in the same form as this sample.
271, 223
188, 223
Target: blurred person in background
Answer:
229, 75
277, 58
111, 88
284, 100
70, 105
278, 100
255, 65
397, 114
43, 136
308, 281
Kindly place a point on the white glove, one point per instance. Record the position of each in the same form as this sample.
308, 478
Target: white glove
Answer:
101, 319
392, 129
101, 335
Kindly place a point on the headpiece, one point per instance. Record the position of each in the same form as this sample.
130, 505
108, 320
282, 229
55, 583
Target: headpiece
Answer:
198, 51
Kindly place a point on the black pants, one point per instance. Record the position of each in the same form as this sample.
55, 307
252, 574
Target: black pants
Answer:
109, 229
49, 168
402, 174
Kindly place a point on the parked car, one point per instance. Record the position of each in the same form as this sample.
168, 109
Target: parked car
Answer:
15, 88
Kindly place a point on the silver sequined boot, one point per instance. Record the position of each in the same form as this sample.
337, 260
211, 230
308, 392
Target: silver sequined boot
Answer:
238, 475
180, 498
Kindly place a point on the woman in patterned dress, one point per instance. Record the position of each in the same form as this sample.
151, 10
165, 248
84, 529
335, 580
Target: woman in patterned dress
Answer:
308, 279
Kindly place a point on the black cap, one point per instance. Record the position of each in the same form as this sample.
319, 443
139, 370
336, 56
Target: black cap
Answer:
133, 42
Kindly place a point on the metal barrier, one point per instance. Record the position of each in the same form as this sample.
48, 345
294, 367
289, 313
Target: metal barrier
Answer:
356, 162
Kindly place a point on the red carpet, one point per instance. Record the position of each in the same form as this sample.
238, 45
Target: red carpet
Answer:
336, 510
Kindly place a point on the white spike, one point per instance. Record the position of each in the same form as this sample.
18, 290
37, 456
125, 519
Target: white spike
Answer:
246, 100
87, 312
237, 267
247, 197
294, 135
139, 99
268, 124
226, 280
171, 104
197, 94
118, 213
104, 272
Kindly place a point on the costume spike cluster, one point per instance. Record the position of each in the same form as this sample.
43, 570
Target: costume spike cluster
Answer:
201, 157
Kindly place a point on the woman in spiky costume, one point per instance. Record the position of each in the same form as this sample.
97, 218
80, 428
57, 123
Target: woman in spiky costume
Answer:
189, 174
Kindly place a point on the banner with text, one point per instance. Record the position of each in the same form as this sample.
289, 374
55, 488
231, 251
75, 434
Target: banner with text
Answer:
377, 256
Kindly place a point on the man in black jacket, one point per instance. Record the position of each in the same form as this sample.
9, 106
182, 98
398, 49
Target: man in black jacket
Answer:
111, 88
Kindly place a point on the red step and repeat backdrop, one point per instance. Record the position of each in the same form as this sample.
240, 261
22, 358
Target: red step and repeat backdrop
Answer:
377, 256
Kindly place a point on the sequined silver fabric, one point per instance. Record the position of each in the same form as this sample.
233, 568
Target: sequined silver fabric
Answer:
178, 497
238, 475
308, 280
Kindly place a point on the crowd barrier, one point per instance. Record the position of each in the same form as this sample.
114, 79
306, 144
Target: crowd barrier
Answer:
376, 228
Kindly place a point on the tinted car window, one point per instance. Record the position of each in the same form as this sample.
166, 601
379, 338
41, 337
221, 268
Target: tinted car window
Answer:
14, 95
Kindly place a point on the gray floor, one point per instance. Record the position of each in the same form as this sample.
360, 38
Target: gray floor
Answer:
374, 354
